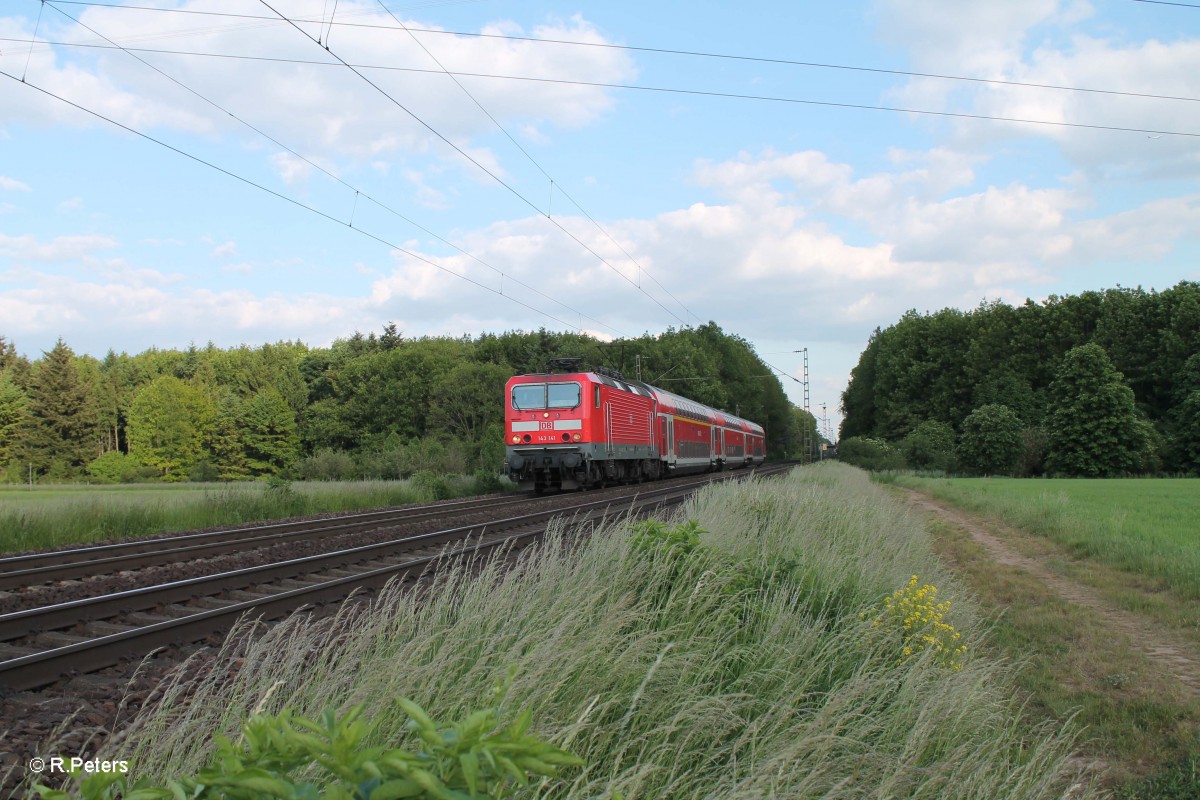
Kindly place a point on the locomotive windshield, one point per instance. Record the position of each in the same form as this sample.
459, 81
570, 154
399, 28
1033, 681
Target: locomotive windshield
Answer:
562, 395
529, 396
536, 396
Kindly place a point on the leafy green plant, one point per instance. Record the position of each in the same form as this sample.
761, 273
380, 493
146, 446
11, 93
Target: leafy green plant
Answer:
295, 757
651, 535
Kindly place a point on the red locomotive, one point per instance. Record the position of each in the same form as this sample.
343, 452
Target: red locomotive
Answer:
580, 429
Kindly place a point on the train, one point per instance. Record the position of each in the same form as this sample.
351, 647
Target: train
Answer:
574, 429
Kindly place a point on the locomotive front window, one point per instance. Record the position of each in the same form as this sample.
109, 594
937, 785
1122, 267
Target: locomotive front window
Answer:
529, 396
562, 395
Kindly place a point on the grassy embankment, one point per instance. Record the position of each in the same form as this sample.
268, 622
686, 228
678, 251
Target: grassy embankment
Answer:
49, 516
752, 666
1136, 543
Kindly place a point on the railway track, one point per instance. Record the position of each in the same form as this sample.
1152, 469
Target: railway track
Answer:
23, 571
42, 644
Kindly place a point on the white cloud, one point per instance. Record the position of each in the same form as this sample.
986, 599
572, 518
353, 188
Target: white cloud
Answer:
12, 185
226, 250
294, 171
61, 248
316, 109
72, 204
773, 245
140, 306
1043, 42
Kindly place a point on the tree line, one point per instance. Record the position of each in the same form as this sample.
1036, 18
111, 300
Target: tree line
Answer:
1098, 384
368, 406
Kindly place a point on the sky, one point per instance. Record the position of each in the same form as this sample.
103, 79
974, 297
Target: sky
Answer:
248, 171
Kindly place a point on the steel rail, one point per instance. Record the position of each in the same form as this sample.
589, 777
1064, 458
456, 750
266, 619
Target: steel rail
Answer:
38, 669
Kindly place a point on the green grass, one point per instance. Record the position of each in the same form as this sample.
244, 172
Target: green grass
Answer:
50, 516
1071, 665
747, 668
1150, 527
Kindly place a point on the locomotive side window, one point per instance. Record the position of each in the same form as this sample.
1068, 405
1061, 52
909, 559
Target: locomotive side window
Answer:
529, 396
597, 388
563, 395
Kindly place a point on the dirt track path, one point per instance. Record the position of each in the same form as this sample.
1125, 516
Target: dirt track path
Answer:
1161, 646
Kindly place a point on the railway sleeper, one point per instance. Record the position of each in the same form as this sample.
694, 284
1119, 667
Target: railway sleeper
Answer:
341, 573
10, 651
244, 595
270, 589
302, 583
143, 618
53, 639
213, 602
178, 610
103, 628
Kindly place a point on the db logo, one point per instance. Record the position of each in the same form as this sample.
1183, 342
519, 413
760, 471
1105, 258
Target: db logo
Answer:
547, 426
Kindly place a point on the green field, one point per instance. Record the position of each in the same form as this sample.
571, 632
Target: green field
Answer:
49, 516
1146, 526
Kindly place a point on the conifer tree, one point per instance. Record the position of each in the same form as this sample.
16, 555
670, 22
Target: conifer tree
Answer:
12, 413
269, 432
59, 434
225, 440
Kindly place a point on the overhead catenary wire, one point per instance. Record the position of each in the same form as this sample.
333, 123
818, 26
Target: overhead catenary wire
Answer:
672, 90
357, 192
1166, 3
683, 52
37, 26
417, 118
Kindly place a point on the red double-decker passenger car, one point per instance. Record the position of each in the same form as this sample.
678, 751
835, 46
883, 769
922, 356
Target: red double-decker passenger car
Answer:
578, 429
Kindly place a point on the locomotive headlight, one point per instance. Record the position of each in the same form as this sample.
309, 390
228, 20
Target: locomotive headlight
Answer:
577, 437
516, 438
545, 415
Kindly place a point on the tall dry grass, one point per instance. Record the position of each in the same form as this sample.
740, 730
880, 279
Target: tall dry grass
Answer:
668, 675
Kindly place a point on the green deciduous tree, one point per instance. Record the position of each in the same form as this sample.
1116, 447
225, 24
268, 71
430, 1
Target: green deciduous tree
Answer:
467, 399
169, 422
992, 441
1093, 427
1187, 433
